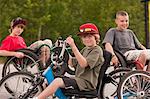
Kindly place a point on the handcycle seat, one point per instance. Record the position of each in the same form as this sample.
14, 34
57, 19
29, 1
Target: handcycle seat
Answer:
128, 63
81, 94
93, 93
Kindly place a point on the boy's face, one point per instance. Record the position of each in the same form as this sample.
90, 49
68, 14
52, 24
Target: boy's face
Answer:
17, 30
88, 40
122, 22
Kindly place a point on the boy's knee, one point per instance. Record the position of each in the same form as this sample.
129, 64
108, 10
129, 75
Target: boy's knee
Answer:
36, 45
44, 49
48, 42
143, 53
58, 81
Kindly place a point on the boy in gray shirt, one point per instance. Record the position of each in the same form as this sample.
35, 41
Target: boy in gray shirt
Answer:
124, 40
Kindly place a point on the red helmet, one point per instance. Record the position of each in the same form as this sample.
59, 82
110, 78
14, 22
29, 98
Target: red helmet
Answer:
88, 28
17, 21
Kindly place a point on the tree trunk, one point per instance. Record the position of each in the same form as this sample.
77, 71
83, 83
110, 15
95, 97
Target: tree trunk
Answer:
39, 32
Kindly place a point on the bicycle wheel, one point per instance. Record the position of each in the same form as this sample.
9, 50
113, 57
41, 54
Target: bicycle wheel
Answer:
135, 85
61, 63
17, 84
29, 63
111, 81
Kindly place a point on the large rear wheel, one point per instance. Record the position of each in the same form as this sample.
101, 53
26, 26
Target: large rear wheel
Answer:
29, 63
16, 86
135, 85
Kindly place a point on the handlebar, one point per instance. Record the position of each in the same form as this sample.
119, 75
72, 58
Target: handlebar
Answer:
58, 55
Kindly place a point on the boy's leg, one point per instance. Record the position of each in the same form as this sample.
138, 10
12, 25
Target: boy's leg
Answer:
36, 45
39, 43
48, 42
51, 89
44, 50
148, 59
139, 55
147, 54
44, 54
50, 77
142, 59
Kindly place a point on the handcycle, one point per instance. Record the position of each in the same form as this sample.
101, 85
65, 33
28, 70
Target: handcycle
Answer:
135, 83
28, 85
30, 62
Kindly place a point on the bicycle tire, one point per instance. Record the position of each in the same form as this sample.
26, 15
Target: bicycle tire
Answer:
112, 81
135, 85
20, 64
61, 65
15, 84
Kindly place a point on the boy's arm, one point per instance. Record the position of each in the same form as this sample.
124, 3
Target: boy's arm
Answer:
109, 48
11, 53
81, 60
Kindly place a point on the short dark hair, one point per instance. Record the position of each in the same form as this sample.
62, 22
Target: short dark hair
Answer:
122, 13
17, 21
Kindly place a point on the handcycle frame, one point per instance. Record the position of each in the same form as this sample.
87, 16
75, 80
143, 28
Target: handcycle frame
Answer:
31, 59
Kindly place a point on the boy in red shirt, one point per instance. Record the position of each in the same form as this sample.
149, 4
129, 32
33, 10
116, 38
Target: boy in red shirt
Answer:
15, 42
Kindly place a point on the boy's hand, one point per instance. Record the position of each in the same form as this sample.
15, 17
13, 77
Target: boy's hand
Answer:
115, 61
19, 54
70, 41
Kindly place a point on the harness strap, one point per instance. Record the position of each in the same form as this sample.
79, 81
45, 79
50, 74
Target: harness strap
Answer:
139, 64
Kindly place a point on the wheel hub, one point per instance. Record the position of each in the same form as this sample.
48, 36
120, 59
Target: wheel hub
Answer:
141, 94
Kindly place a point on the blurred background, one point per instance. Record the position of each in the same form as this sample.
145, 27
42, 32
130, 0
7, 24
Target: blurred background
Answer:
54, 18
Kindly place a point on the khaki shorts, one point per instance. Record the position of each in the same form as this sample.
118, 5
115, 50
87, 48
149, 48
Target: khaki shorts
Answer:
36, 45
134, 54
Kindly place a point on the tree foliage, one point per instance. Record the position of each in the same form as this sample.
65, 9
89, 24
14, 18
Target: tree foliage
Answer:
54, 18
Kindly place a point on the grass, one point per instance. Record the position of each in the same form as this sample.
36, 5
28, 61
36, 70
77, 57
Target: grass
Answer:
2, 60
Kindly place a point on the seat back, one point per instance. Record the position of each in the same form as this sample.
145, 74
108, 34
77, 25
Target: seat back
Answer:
107, 56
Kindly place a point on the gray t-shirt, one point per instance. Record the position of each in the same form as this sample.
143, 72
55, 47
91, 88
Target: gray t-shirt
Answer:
121, 41
87, 78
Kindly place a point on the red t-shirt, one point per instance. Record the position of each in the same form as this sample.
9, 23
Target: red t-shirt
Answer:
12, 43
